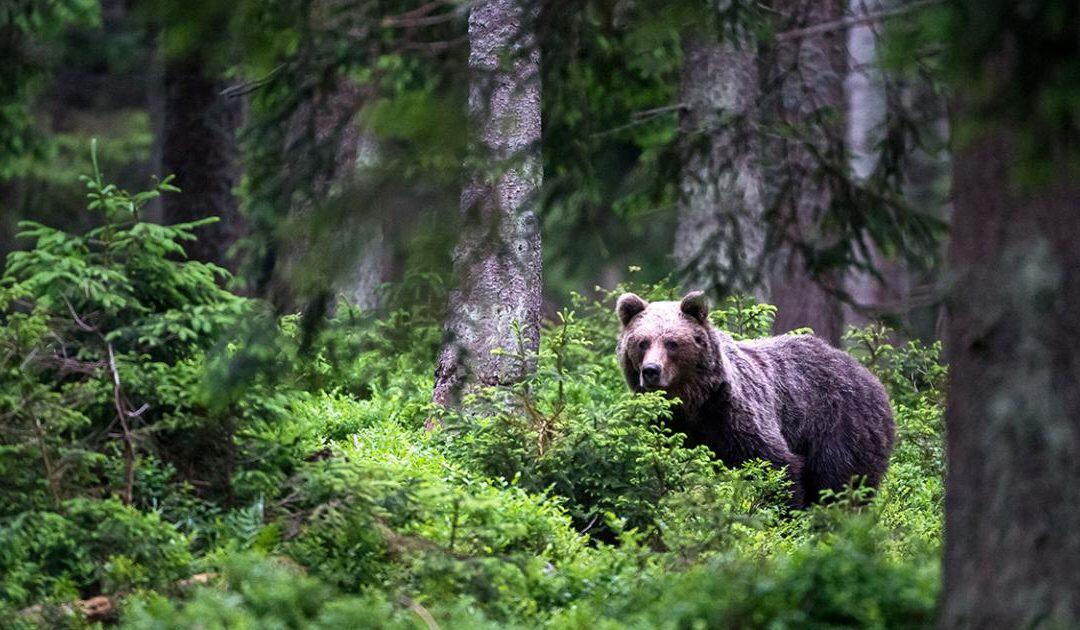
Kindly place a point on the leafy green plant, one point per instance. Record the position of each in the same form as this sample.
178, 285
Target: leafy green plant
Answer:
85, 548
293, 464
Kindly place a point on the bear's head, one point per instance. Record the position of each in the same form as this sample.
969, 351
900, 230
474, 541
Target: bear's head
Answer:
668, 346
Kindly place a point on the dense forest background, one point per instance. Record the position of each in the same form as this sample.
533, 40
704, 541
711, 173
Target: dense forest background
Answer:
349, 359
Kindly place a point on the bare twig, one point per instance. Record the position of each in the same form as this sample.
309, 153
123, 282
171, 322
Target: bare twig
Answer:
50, 469
854, 20
590, 525
420, 611
242, 89
29, 358
414, 19
420, 11
657, 111
435, 47
122, 415
78, 320
138, 412
640, 118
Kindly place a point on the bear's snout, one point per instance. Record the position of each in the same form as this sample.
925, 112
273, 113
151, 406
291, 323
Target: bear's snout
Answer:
651, 376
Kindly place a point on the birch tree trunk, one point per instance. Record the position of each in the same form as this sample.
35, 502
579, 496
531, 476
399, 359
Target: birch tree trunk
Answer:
199, 147
1012, 509
720, 234
808, 76
864, 88
497, 258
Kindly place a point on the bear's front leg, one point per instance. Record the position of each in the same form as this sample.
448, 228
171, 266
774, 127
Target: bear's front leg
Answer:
795, 465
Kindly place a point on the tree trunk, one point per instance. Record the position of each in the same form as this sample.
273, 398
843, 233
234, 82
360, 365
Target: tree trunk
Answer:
497, 258
926, 186
200, 148
720, 235
372, 267
363, 285
1013, 417
808, 78
864, 88
340, 244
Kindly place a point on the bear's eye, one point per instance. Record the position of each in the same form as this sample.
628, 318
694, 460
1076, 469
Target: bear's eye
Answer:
671, 345
643, 344
699, 340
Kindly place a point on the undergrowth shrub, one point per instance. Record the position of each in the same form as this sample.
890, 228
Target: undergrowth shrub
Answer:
573, 428
260, 592
292, 463
836, 580
85, 548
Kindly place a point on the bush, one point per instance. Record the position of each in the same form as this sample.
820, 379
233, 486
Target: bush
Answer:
259, 592
86, 548
842, 579
292, 462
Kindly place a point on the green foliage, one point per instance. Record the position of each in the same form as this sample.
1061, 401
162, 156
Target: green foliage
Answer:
103, 334
264, 593
915, 378
26, 28
743, 318
841, 579
1018, 65
608, 132
560, 501
87, 547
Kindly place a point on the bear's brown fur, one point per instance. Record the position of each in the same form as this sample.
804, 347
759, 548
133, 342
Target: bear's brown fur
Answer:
794, 401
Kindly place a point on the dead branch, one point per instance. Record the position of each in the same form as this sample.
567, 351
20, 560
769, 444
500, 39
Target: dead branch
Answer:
854, 20
413, 19
436, 47
78, 320
419, 11
420, 611
50, 469
122, 415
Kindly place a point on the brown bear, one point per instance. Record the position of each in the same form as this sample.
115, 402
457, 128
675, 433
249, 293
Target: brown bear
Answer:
790, 400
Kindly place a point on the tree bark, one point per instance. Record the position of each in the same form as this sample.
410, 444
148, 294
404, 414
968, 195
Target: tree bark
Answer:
339, 245
720, 234
373, 265
926, 186
200, 148
864, 88
808, 78
1013, 416
497, 259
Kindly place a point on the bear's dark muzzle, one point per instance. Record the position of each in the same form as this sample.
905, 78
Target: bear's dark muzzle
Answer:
650, 375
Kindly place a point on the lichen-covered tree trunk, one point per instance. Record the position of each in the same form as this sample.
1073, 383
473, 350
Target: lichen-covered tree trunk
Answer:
807, 77
199, 147
720, 234
497, 258
1013, 418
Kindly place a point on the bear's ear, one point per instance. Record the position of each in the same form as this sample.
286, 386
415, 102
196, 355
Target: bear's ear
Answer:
696, 305
628, 306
